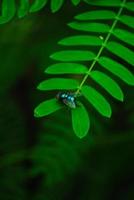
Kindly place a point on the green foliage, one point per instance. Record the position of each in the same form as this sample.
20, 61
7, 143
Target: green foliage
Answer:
23, 7
89, 22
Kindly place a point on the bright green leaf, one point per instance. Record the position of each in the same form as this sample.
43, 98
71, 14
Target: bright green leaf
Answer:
117, 69
97, 101
108, 84
58, 83
127, 20
81, 40
73, 55
97, 14
56, 5
23, 8
37, 5
66, 68
121, 51
8, 11
124, 35
89, 27
80, 121
47, 107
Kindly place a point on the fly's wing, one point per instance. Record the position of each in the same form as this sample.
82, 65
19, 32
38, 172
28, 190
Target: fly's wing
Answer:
69, 103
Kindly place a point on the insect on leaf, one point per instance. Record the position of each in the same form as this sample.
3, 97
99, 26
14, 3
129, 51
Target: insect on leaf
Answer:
80, 121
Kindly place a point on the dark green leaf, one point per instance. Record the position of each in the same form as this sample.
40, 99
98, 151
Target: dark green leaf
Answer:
80, 121
66, 68
73, 55
98, 14
97, 100
104, 2
38, 5
47, 107
117, 69
8, 11
56, 5
58, 83
81, 40
75, 2
89, 27
121, 51
130, 6
108, 84
124, 35
127, 20
23, 8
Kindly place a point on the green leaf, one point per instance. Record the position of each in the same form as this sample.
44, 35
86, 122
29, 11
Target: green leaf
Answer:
75, 2
130, 6
8, 11
127, 20
108, 84
98, 14
23, 8
58, 83
56, 5
97, 101
81, 40
125, 36
104, 2
73, 55
89, 27
38, 5
47, 107
66, 68
121, 51
117, 69
80, 121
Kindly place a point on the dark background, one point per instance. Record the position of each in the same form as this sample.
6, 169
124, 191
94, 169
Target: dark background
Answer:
42, 159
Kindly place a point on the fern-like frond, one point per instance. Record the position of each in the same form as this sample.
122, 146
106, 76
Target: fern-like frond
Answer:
23, 7
116, 42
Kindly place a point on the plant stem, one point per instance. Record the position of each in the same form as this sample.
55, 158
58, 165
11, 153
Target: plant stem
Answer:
102, 47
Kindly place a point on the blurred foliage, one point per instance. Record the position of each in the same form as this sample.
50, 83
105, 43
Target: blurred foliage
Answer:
42, 159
